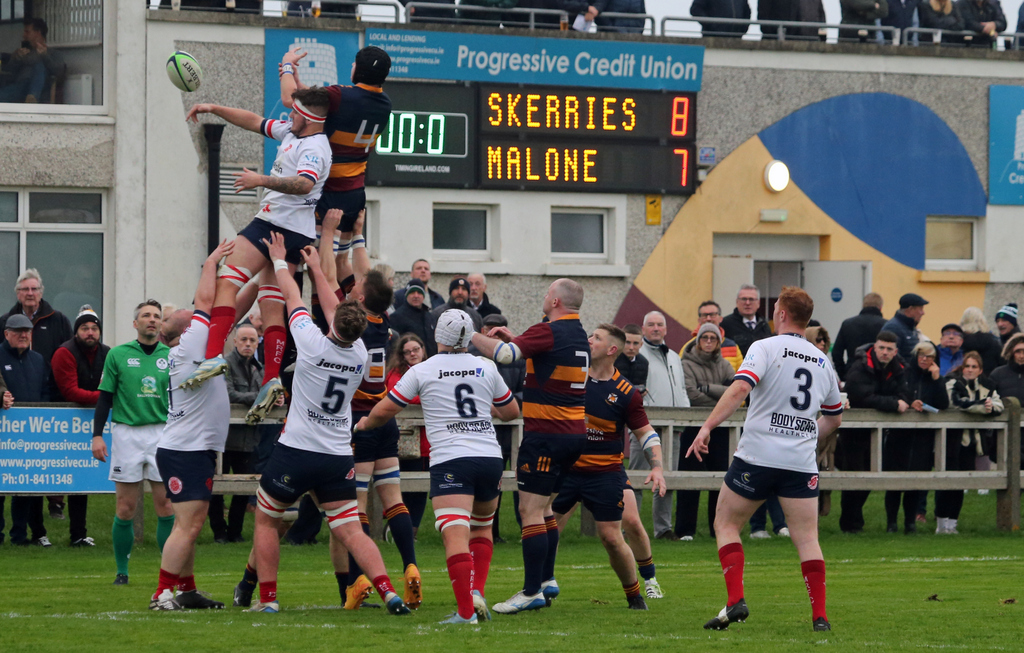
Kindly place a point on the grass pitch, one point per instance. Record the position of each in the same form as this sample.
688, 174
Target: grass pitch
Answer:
879, 585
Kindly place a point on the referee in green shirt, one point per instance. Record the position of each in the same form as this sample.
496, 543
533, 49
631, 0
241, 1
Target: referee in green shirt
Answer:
135, 384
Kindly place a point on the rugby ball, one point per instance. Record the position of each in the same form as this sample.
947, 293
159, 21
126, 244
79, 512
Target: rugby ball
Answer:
184, 71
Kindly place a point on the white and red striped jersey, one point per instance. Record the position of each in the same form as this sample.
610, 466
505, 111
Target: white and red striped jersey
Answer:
792, 380
197, 420
326, 377
305, 156
456, 392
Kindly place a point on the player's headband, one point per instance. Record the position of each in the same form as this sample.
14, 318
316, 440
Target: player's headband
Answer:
306, 113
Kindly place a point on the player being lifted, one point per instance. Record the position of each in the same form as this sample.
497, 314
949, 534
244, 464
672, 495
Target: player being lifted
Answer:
457, 391
292, 190
788, 381
314, 452
598, 478
554, 428
196, 429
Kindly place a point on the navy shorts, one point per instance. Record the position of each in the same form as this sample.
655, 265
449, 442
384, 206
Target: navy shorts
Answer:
477, 477
544, 461
758, 483
188, 475
291, 472
258, 230
378, 444
601, 493
351, 202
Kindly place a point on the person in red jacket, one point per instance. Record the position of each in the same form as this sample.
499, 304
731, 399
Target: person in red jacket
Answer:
77, 367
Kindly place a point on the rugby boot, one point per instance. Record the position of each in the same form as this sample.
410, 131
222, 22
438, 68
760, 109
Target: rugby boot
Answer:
265, 400
243, 595
208, 369
480, 606
358, 592
636, 602
520, 602
729, 614
121, 579
653, 589
196, 600
549, 589
821, 623
413, 590
272, 606
396, 605
454, 618
164, 601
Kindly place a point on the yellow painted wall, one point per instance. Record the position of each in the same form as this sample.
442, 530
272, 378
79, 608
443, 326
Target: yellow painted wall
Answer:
677, 275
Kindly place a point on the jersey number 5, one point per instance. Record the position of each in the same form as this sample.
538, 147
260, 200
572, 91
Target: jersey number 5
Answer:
802, 400
334, 395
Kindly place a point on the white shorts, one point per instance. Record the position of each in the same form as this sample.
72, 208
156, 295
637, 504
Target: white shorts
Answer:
133, 452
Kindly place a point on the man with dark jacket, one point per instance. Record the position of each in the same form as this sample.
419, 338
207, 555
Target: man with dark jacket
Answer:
421, 273
861, 12
904, 324
621, 24
27, 377
1006, 317
77, 367
857, 331
721, 9
874, 380
983, 17
1009, 378
901, 15
631, 363
414, 316
458, 298
478, 299
743, 325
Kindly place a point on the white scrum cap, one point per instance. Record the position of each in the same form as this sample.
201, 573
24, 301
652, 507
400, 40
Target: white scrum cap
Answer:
454, 329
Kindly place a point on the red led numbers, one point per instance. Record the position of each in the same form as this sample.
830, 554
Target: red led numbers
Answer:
680, 116
686, 165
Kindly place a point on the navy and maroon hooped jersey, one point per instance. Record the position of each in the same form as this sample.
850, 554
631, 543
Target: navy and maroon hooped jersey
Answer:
357, 116
611, 404
376, 339
557, 359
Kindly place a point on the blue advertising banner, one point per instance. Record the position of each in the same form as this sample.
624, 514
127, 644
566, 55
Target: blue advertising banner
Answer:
1006, 145
329, 57
49, 451
534, 60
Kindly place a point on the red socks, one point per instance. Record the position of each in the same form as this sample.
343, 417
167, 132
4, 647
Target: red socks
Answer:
273, 351
222, 320
814, 579
482, 550
187, 583
460, 571
632, 590
383, 585
731, 556
268, 591
167, 581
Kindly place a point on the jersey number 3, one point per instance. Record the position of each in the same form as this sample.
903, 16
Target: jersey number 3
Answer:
802, 400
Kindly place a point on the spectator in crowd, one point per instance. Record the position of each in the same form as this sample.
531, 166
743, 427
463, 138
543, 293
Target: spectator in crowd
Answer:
904, 324
458, 298
808, 11
825, 451
1006, 317
721, 9
244, 379
478, 299
631, 363
743, 325
77, 367
710, 311
485, 17
901, 15
977, 337
861, 12
620, 24
857, 331
414, 316
420, 272
912, 450
50, 329
1009, 378
409, 351
7, 402
28, 380
972, 392
875, 380
950, 351
387, 272
666, 386
940, 14
983, 17
708, 375
431, 15
28, 72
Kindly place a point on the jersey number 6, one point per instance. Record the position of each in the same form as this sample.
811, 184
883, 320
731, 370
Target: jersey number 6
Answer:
464, 400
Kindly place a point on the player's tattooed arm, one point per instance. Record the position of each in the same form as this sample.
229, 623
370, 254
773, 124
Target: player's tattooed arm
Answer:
653, 458
297, 185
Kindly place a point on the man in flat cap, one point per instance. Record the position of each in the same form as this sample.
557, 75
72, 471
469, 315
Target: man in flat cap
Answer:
904, 324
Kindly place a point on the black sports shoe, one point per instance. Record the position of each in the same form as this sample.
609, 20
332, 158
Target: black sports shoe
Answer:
243, 595
821, 623
636, 602
121, 579
730, 614
196, 600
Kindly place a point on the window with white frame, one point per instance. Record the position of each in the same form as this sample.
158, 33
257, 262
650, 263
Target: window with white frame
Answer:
59, 233
462, 231
580, 234
951, 243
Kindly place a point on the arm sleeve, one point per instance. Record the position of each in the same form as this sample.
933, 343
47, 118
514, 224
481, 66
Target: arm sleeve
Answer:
108, 380
65, 374
636, 416
311, 160
192, 345
407, 388
103, 406
276, 129
538, 338
833, 402
755, 363
334, 92
307, 337
500, 392
1000, 17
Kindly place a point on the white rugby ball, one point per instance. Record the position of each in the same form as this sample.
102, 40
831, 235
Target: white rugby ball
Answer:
184, 71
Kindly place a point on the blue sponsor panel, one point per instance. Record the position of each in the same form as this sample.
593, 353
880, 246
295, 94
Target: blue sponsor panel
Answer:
533, 60
49, 451
329, 57
1006, 145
